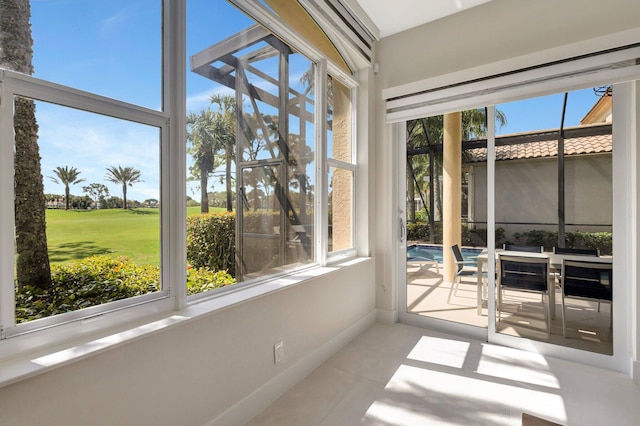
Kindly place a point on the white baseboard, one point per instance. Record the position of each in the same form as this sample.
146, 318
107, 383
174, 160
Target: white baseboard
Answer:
386, 316
254, 403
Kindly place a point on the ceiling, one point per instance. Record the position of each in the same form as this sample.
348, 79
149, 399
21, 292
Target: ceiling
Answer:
398, 15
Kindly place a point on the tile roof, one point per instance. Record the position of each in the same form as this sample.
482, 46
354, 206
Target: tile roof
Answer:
546, 148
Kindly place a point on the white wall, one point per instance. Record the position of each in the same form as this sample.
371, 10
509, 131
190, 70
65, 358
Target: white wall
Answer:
193, 373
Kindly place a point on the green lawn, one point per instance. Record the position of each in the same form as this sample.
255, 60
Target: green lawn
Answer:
135, 233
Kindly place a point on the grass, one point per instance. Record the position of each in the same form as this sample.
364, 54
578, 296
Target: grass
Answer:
135, 233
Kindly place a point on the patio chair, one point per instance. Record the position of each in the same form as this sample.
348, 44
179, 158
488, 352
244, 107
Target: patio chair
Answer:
527, 274
463, 269
577, 251
518, 247
587, 281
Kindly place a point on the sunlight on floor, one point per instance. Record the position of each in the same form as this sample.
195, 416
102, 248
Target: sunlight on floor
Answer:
450, 353
522, 314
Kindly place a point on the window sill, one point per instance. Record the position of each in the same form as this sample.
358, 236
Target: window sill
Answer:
51, 357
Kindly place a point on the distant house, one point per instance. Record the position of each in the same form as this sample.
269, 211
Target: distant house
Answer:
526, 176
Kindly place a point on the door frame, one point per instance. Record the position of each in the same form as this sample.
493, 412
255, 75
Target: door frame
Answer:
625, 182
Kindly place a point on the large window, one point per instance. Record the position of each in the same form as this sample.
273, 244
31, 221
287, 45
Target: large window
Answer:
252, 150
92, 160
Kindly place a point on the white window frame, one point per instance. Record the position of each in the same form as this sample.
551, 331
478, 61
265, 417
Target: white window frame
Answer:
16, 338
171, 120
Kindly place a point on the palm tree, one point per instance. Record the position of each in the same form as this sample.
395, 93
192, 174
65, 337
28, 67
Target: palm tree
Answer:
473, 126
208, 133
32, 257
227, 139
200, 134
125, 176
67, 176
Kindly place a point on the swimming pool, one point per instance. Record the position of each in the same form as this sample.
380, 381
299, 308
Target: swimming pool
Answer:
435, 252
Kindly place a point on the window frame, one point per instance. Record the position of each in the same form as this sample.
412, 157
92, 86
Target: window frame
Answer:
19, 85
15, 339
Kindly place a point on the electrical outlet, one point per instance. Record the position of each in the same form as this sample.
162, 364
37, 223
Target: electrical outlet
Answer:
278, 352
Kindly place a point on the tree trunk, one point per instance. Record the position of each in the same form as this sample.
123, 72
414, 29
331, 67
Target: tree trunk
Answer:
66, 197
204, 196
124, 196
32, 261
32, 258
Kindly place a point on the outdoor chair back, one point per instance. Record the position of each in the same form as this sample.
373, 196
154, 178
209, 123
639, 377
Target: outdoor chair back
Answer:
586, 280
577, 251
529, 274
518, 247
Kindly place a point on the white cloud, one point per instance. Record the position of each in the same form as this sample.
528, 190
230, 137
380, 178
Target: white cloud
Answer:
201, 100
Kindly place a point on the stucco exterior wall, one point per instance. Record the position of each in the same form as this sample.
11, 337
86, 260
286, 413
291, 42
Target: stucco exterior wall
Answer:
527, 192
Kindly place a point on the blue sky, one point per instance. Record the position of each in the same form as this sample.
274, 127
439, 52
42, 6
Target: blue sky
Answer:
113, 48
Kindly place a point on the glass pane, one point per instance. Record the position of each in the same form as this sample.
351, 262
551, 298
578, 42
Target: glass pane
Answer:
92, 46
340, 209
99, 179
251, 109
339, 145
559, 203
262, 220
446, 193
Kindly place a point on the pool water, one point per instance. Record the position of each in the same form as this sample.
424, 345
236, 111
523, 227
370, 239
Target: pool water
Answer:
435, 252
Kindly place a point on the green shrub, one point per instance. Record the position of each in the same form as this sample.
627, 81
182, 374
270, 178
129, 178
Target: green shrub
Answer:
101, 279
89, 282
574, 239
201, 280
211, 241
419, 231
477, 237
547, 239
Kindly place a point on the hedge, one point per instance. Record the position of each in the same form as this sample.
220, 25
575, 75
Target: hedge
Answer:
211, 241
477, 237
574, 239
101, 279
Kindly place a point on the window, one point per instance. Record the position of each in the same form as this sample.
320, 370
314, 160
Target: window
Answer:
341, 177
99, 176
81, 181
252, 146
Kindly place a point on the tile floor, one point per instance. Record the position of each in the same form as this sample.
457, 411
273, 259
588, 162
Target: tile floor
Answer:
523, 314
403, 375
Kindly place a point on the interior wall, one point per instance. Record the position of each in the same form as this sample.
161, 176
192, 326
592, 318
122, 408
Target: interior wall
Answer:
205, 369
494, 31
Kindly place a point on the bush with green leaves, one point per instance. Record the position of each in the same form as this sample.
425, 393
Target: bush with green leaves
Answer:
101, 279
473, 237
211, 241
574, 239
202, 279
88, 282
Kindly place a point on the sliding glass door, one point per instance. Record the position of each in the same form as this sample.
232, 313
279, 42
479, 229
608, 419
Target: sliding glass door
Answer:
541, 174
